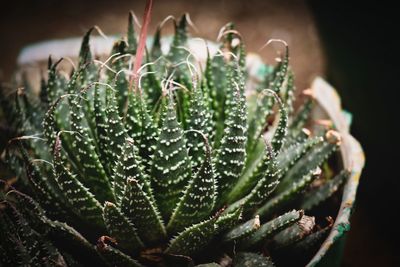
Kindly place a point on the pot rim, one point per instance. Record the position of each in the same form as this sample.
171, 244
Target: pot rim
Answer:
353, 159
325, 95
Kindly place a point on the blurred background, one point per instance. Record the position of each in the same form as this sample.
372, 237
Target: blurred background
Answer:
352, 45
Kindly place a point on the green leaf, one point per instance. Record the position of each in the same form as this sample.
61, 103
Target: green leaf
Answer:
29, 111
301, 137
133, 121
155, 51
193, 239
281, 131
313, 159
243, 230
312, 241
121, 228
32, 226
272, 227
323, 192
82, 200
220, 77
264, 172
151, 84
50, 124
289, 93
229, 219
198, 198
171, 165
54, 86
176, 54
29, 238
294, 233
115, 129
85, 152
85, 55
281, 199
47, 191
115, 257
119, 81
301, 117
265, 103
208, 83
56, 119
12, 250
69, 240
267, 178
29, 209
87, 74
233, 88
252, 166
293, 153
281, 72
73, 86
215, 76
101, 127
141, 211
231, 154
119, 178
131, 36
200, 119
267, 174
149, 136
242, 59
130, 165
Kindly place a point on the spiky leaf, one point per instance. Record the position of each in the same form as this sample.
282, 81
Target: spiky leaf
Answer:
133, 121
115, 129
229, 219
296, 232
142, 212
321, 193
272, 227
74, 243
193, 239
231, 154
121, 228
312, 160
132, 42
265, 103
77, 194
302, 116
198, 199
199, 120
115, 257
95, 176
171, 165
281, 130
281, 199
243, 230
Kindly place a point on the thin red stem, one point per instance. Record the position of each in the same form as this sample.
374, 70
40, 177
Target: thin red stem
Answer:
141, 45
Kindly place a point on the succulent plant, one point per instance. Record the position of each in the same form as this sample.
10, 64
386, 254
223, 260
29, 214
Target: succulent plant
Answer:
173, 165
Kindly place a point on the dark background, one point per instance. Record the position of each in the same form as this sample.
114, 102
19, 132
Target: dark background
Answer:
361, 50
351, 44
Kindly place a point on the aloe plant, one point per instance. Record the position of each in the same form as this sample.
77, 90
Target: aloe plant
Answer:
165, 164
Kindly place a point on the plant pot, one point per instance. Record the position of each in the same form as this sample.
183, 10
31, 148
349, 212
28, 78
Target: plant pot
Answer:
328, 107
